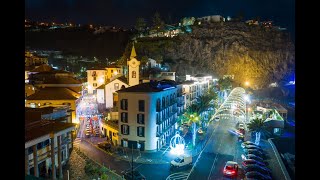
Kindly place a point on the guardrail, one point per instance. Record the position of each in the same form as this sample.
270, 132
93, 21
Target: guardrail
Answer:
282, 166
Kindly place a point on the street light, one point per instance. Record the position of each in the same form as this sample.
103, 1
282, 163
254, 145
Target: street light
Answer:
247, 83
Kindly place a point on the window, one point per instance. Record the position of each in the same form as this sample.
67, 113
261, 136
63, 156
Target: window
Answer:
116, 86
94, 73
140, 131
111, 71
125, 129
158, 105
124, 104
94, 78
163, 103
124, 117
167, 101
94, 84
134, 74
141, 105
140, 118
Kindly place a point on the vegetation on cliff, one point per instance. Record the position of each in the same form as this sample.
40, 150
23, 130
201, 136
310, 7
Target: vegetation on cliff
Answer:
250, 53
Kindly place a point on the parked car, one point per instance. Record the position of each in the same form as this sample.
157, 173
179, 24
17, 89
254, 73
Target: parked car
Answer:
251, 147
217, 118
257, 175
231, 169
255, 167
104, 145
248, 143
255, 152
252, 161
241, 126
251, 156
136, 175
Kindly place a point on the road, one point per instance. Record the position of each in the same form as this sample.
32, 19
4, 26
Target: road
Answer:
222, 145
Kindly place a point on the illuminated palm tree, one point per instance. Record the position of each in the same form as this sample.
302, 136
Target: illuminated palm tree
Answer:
257, 125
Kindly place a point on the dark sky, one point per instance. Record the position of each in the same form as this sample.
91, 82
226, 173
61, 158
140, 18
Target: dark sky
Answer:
124, 12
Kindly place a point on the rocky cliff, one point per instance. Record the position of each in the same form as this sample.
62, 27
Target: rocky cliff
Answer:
250, 53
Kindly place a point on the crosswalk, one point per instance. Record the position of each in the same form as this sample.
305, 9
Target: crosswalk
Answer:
164, 149
178, 176
76, 143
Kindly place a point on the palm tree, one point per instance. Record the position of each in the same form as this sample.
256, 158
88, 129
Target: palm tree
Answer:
191, 116
258, 126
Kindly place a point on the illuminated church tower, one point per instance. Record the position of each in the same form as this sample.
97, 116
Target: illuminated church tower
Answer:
133, 68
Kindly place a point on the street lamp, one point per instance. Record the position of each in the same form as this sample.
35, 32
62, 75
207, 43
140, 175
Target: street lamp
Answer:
247, 83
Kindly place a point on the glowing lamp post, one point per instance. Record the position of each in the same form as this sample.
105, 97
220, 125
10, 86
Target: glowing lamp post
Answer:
247, 83
177, 144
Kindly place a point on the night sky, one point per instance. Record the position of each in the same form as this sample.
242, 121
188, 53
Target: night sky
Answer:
123, 13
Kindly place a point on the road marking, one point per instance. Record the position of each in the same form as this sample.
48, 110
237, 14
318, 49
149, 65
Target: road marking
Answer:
134, 168
178, 176
202, 150
215, 159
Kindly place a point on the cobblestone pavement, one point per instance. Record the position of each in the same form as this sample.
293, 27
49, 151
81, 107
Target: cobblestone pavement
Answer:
75, 166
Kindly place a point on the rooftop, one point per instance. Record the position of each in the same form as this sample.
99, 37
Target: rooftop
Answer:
40, 128
113, 66
43, 68
96, 69
153, 86
54, 93
61, 80
122, 78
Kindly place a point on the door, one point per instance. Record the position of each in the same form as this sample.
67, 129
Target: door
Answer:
110, 135
141, 145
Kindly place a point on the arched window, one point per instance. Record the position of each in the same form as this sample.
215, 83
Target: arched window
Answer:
171, 98
163, 103
134, 74
158, 105
167, 101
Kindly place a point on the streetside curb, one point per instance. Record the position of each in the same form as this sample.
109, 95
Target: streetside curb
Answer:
121, 158
282, 166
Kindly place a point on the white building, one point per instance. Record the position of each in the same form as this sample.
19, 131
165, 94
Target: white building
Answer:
148, 114
195, 86
111, 88
95, 78
213, 18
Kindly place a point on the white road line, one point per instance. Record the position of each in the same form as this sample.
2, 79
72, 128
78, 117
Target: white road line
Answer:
215, 159
202, 151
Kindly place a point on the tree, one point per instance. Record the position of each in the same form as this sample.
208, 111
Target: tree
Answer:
158, 59
158, 23
225, 83
257, 126
144, 60
140, 25
192, 117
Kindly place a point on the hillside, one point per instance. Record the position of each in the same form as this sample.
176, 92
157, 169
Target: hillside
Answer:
80, 42
251, 53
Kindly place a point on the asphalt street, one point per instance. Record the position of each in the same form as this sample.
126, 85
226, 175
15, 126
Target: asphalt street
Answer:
222, 146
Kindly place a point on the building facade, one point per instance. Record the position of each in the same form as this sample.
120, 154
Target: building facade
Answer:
47, 146
148, 114
95, 78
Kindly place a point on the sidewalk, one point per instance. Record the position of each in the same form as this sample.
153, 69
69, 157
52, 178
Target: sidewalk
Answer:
273, 162
159, 157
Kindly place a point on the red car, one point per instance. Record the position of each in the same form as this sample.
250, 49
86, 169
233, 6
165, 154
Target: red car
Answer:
231, 169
